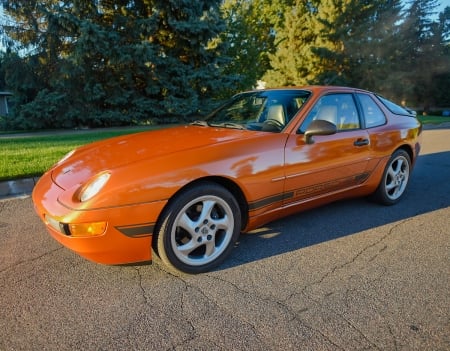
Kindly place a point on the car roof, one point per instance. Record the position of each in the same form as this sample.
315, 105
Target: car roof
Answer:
316, 88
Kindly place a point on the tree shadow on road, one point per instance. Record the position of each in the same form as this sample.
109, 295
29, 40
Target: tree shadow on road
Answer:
429, 190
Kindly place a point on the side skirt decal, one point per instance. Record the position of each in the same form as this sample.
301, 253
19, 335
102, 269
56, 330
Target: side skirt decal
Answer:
310, 191
330, 186
255, 205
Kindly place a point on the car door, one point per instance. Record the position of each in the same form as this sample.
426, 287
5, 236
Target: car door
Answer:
331, 163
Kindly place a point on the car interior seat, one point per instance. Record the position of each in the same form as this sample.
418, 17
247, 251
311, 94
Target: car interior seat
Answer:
276, 113
327, 113
275, 120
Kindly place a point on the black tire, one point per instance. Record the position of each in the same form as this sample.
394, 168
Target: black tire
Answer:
198, 228
395, 179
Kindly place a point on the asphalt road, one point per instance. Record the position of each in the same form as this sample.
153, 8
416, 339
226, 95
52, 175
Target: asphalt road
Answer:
349, 276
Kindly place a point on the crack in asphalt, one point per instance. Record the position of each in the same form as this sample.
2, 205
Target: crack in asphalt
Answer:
214, 302
291, 314
394, 339
359, 254
179, 276
331, 272
141, 287
339, 315
235, 286
193, 331
353, 260
284, 306
30, 260
147, 301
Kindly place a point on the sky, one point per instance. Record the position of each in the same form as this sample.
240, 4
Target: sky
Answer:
444, 4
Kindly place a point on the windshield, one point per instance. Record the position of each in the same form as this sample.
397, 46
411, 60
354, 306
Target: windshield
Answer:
269, 110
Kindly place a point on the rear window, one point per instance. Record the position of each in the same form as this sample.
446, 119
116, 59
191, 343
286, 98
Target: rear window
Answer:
394, 108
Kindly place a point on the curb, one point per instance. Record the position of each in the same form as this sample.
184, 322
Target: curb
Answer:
18, 187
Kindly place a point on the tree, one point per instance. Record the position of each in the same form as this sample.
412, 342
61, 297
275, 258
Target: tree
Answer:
2, 72
112, 62
251, 36
441, 78
118, 61
293, 61
344, 42
370, 56
425, 52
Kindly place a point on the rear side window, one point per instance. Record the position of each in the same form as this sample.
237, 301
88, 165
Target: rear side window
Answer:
394, 108
373, 115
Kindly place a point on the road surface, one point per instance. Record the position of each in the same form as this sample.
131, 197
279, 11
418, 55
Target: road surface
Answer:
349, 276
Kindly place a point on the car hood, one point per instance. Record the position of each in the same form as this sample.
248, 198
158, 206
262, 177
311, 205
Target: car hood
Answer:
109, 154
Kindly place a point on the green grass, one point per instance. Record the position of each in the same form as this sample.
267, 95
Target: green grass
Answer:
433, 119
28, 156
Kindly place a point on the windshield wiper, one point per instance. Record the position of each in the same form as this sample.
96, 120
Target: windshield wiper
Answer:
230, 125
199, 123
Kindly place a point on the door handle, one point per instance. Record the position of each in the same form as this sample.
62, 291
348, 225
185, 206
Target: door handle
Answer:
361, 142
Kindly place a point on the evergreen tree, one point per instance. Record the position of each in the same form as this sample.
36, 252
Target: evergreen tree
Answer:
371, 46
118, 61
441, 78
344, 42
423, 52
113, 62
250, 34
293, 61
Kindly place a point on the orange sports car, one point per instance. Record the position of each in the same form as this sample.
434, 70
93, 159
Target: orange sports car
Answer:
186, 193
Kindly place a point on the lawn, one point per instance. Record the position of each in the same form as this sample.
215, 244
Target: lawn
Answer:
29, 156
433, 119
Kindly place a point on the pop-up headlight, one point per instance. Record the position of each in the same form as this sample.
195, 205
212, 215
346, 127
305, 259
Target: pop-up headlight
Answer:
94, 186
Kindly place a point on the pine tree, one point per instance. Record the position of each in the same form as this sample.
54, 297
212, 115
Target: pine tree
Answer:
293, 61
119, 61
371, 48
344, 42
423, 52
441, 78
367, 37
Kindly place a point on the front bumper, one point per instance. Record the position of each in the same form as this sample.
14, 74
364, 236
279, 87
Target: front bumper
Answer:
127, 235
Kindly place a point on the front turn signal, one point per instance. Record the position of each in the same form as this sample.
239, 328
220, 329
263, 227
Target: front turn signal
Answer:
87, 229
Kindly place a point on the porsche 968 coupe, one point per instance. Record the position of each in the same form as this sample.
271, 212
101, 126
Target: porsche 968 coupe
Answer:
185, 193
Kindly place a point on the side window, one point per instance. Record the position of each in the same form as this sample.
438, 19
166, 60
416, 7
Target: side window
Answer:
339, 109
373, 115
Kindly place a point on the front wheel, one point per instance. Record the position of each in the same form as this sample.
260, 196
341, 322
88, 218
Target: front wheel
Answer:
198, 228
395, 178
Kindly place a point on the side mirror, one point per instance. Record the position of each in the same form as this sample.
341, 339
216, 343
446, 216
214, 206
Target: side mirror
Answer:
319, 127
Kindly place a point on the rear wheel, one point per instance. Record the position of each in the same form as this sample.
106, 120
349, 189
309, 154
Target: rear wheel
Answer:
198, 228
395, 179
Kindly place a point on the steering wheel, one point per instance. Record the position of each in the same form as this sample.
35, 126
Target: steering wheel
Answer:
272, 125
